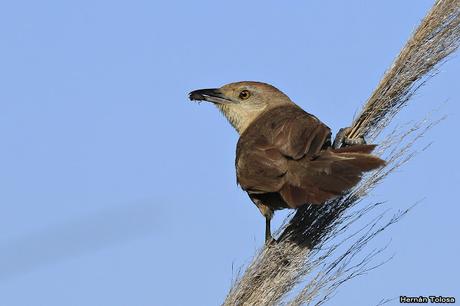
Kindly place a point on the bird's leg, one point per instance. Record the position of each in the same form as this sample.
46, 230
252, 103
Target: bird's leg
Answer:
267, 212
268, 232
341, 139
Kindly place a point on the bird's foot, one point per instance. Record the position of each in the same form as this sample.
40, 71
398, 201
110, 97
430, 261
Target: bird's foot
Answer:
269, 241
341, 139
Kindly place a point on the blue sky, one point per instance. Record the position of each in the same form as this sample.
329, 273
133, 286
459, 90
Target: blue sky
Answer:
116, 190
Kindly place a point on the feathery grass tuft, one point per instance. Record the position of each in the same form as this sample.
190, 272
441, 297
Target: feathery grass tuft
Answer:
316, 252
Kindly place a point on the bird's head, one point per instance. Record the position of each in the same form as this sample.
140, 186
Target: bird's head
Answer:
242, 102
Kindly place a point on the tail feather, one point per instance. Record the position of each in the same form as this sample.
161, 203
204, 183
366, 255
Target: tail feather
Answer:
361, 148
328, 175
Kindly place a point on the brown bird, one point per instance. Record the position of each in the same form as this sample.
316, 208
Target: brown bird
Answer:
284, 156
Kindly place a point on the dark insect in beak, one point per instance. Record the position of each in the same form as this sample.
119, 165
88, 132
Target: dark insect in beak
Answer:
213, 95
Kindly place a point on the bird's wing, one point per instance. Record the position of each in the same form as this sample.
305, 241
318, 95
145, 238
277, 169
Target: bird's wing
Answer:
284, 152
271, 142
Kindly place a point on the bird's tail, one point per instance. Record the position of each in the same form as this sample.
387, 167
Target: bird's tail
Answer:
328, 175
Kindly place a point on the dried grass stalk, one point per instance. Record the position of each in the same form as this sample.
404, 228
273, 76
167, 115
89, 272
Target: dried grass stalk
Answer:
436, 38
305, 266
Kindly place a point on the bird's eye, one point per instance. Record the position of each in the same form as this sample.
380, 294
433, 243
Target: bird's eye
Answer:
244, 94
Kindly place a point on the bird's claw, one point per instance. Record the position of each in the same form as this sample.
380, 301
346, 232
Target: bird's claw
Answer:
270, 241
341, 139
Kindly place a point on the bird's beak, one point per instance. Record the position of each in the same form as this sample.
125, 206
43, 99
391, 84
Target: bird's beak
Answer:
213, 95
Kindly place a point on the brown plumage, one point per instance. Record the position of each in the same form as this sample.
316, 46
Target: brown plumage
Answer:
284, 157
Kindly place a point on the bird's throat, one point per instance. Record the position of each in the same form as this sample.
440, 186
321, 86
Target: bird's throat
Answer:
240, 119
